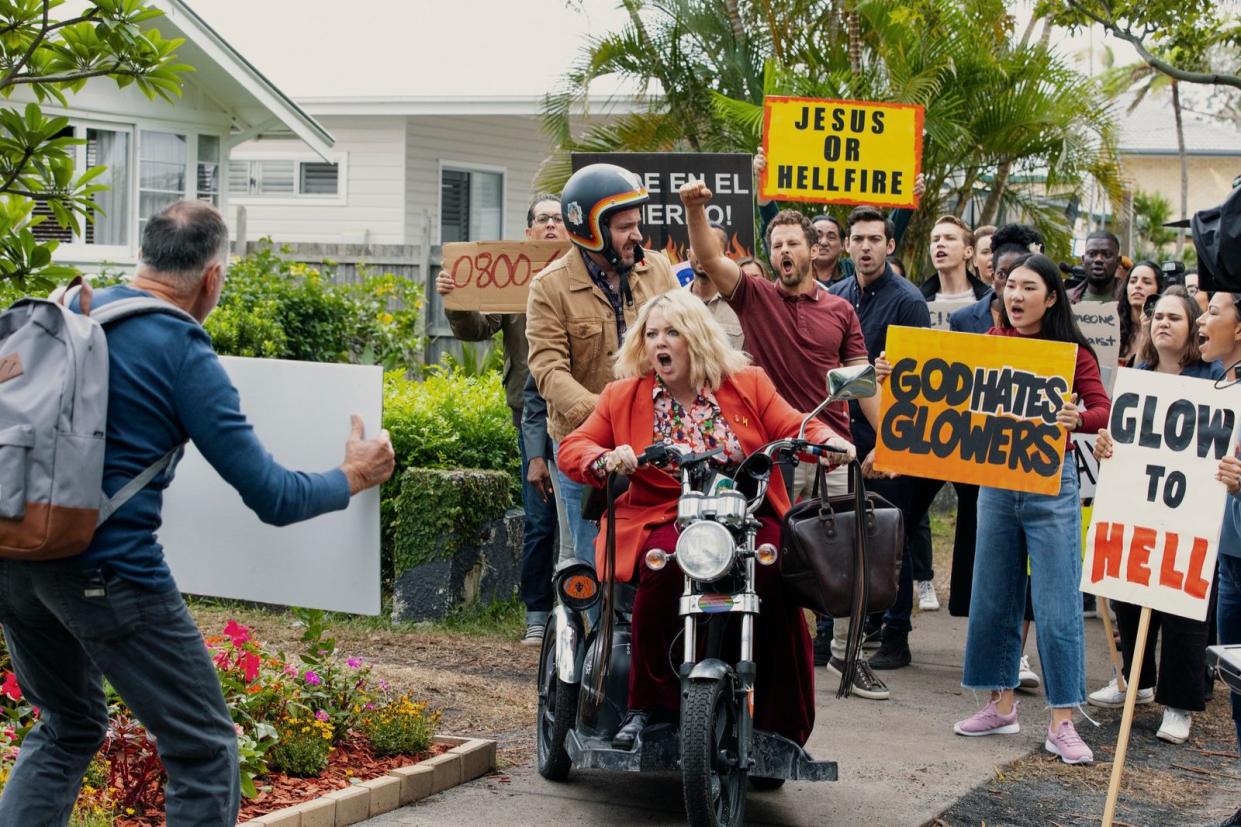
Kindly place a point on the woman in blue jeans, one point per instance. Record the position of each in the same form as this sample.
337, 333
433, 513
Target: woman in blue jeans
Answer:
1044, 529
1220, 329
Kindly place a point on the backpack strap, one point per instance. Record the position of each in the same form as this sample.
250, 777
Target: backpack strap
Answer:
109, 506
137, 305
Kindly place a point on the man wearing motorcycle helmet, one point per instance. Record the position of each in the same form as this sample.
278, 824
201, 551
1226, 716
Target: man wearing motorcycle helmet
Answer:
581, 304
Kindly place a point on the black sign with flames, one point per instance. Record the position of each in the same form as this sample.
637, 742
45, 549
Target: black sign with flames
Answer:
663, 218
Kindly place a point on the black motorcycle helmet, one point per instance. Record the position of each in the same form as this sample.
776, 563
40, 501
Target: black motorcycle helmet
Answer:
591, 195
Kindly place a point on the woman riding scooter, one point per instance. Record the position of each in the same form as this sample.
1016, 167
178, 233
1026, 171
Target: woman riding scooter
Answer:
681, 384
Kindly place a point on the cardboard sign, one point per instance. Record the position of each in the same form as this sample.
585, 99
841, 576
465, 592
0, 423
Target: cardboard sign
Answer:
963, 407
727, 174
841, 152
216, 546
1100, 323
494, 276
1158, 509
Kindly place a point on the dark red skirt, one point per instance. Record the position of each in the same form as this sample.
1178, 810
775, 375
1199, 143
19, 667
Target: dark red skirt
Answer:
784, 685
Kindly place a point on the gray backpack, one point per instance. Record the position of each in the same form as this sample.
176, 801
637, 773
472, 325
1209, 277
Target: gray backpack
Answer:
53, 425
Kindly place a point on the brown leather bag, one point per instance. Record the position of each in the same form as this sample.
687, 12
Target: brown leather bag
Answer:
821, 552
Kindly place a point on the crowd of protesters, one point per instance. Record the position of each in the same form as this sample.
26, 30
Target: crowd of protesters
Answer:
825, 296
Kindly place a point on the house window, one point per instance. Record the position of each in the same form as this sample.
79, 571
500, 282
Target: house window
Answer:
470, 205
283, 178
109, 226
161, 172
209, 169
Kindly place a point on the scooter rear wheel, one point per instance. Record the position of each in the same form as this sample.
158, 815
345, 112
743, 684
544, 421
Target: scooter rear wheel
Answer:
713, 781
557, 711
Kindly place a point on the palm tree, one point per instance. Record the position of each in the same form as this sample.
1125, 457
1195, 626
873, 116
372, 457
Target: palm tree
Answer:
997, 109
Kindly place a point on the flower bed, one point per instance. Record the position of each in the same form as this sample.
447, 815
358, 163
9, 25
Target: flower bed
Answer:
305, 725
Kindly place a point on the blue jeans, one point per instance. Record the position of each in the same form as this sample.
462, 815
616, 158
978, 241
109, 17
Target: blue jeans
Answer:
1228, 618
1048, 529
584, 532
68, 626
539, 546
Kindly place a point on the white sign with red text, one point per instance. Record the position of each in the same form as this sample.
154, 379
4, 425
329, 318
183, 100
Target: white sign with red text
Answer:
1154, 531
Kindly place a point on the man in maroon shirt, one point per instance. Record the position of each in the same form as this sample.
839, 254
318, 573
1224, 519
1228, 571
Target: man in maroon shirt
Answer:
794, 328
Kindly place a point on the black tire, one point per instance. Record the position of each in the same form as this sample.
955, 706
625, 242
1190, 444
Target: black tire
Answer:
556, 713
713, 782
764, 785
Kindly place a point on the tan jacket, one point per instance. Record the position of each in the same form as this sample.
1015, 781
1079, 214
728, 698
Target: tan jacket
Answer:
572, 333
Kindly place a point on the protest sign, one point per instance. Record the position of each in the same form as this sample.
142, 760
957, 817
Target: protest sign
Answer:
1100, 324
494, 276
216, 546
1087, 465
841, 152
727, 174
941, 311
1158, 508
980, 410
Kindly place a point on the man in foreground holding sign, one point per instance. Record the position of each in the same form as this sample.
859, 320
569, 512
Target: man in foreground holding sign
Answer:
998, 415
114, 611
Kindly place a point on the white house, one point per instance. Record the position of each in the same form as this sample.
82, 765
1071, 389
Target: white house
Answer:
158, 152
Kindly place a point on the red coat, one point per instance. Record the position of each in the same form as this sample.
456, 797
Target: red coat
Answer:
625, 415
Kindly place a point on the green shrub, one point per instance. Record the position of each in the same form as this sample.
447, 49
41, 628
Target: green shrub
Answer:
436, 512
303, 748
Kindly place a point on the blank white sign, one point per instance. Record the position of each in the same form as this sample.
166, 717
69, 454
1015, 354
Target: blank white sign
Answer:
216, 546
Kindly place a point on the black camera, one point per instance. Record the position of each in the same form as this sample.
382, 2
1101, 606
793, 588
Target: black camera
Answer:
1173, 273
1074, 274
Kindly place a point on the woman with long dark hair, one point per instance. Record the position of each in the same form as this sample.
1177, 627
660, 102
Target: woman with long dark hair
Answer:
1145, 279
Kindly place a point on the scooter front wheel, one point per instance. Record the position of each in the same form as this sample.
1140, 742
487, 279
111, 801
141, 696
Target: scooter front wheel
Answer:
557, 711
712, 778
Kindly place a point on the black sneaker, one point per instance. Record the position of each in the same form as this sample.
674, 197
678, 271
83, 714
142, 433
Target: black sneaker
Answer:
1233, 820
1090, 608
893, 652
866, 684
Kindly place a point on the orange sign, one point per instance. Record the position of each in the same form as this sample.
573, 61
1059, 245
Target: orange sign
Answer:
494, 276
976, 409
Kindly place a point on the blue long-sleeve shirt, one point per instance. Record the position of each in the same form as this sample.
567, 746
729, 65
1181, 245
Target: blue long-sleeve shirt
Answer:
167, 386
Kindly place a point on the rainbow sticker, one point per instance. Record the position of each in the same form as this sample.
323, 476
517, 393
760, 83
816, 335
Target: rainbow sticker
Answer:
712, 603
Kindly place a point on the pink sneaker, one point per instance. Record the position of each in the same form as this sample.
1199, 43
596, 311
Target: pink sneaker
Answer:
989, 721
1064, 741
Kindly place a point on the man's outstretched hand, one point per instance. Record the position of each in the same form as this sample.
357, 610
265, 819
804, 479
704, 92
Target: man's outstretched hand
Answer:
368, 462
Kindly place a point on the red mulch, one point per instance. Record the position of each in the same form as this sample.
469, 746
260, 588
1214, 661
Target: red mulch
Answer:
350, 760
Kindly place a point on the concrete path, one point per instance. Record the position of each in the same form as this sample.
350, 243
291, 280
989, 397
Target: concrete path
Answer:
900, 763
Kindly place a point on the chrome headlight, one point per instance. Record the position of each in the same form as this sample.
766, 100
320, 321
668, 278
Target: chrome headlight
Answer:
705, 551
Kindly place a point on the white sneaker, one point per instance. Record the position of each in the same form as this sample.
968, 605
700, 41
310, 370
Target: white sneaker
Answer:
1027, 678
928, 600
1110, 696
1175, 726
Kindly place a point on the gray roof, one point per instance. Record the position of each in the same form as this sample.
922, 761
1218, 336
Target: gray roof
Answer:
1151, 130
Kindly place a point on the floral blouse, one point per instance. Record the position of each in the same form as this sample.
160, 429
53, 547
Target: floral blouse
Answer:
702, 428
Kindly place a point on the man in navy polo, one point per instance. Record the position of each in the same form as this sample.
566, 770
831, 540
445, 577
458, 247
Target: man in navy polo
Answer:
882, 298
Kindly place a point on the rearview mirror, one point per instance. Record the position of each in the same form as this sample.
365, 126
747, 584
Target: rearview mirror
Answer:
843, 384
857, 382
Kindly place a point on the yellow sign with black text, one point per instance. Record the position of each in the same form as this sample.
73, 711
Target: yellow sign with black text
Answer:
841, 152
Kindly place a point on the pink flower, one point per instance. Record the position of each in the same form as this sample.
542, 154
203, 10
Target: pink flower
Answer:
323, 716
238, 634
249, 663
354, 663
290, 670
312, 678
9, 688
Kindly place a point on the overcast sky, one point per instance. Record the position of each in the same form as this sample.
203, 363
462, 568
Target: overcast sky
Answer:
329, 48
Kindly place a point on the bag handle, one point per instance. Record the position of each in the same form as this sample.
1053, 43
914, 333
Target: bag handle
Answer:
861, 581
